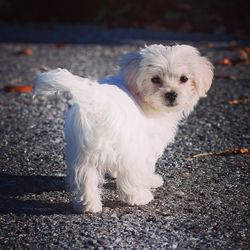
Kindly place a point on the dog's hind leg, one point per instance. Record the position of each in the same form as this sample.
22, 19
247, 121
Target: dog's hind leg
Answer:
88, 197
91, 195
83, 177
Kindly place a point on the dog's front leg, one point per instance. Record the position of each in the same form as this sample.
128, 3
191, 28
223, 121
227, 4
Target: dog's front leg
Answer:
134, 186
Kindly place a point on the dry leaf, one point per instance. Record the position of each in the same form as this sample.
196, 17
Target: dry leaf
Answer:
44, 68
227, 152
19, 89
244, 150
242, 54
239, 101
247, 62
26, 52
60, 45
16, 80
247, 49
210, 45
186, 174
225, 61
244, 242
231, 77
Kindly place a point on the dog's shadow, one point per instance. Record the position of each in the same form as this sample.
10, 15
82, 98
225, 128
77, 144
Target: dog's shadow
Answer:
13, 189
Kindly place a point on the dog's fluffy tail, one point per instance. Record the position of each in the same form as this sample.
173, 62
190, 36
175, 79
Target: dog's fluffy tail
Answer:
61, 80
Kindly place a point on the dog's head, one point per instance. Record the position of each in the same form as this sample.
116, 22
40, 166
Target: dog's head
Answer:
167, 79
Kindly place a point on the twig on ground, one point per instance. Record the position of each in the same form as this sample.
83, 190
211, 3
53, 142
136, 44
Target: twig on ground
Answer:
226, 152
44, 68
239, 101
232, 77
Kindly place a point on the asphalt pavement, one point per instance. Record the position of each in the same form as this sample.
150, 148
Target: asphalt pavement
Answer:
204, 202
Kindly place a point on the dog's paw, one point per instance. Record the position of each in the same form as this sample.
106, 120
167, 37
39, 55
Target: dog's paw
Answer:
157, 181
93, 207
141, 197
90, 207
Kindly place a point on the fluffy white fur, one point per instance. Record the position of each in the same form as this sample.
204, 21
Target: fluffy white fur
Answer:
122, 123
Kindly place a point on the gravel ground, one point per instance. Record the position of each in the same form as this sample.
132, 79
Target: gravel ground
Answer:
204, 203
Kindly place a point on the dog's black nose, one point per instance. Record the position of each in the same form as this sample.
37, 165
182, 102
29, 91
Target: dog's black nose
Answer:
171, 96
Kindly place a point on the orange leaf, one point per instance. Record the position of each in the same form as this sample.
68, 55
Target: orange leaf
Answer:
244, 150
242, 54
60, 45
247, 62
247, 49
19, 89
210, 45
26, 52
225, 61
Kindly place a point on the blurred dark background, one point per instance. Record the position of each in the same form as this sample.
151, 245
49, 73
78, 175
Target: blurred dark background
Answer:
183, 15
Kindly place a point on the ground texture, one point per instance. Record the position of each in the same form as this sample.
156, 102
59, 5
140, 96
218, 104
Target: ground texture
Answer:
204, 202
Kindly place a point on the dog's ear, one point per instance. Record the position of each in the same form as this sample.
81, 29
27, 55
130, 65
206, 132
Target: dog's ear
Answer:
204, 75
203, 69
129, 68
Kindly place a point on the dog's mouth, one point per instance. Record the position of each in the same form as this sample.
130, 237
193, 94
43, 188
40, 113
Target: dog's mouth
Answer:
173, 107
172, 104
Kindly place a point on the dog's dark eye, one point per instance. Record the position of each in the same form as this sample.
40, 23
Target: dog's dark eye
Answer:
183, 79
156, 80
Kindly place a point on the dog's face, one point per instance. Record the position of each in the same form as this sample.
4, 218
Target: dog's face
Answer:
167, 79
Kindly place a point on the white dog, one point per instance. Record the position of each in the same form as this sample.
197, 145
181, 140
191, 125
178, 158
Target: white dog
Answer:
122, 124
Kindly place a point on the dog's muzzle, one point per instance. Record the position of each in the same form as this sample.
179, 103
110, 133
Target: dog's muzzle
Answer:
170, 98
